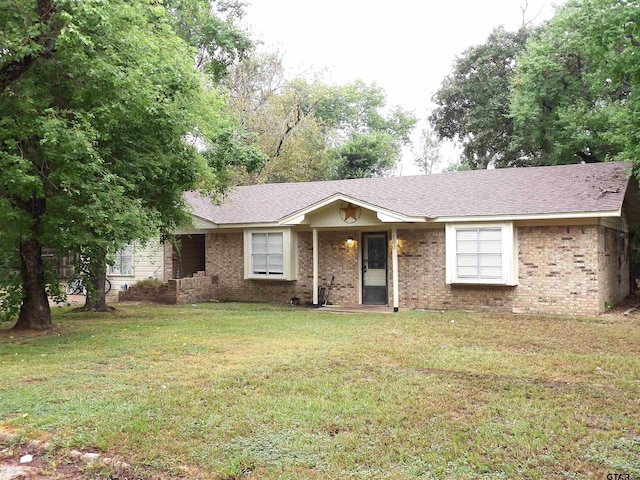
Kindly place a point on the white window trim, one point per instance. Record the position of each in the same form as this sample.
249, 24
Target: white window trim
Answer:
509, 251
110, 272
289, 263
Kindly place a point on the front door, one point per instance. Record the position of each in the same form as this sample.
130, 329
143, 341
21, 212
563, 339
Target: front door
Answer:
374, 269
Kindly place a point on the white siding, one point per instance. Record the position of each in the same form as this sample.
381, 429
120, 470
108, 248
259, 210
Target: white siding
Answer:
148, 262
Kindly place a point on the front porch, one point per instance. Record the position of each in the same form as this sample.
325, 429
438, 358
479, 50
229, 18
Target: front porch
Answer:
366, 262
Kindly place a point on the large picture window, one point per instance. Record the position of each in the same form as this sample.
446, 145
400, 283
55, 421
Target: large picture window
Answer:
481, 254
269, 254
123, 263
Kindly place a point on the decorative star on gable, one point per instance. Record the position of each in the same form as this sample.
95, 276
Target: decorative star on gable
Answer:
349, 213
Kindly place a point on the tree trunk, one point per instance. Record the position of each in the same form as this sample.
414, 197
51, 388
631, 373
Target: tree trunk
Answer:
35, 312
96, 299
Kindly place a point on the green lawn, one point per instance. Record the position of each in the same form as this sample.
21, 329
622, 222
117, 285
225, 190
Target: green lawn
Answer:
254, 391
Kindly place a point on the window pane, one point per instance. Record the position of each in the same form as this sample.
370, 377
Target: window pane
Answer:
489, 234
490, 260
491, 246
467, 247
490, 272
126, 267
466, 234
275, 264
259, 243
123, 262
259, 263
467, 265
467, 241
490, 240
468, 272
275, 243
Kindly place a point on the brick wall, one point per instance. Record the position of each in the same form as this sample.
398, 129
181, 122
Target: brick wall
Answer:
199, 288
337, 259
558, 270
614, 264
422, 280
225, 258
158, 294
561, 270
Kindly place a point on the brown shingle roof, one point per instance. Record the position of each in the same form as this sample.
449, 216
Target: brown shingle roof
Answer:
596, 187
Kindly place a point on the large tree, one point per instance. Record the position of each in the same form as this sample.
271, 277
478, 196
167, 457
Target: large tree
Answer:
98, 137
576, 92
312, 130
472, 104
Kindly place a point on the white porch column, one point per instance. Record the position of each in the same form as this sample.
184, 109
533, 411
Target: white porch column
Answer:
315, 267
394, 262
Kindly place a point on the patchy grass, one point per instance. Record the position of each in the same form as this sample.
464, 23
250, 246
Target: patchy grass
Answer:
252, 391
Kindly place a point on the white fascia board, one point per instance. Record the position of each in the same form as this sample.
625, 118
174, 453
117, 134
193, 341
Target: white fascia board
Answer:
546, 216
236, 226
386, 217
298, 217
293, 220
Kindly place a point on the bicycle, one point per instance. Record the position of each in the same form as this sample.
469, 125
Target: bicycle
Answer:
76, 287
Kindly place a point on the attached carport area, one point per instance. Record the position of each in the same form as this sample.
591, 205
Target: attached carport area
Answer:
188, 255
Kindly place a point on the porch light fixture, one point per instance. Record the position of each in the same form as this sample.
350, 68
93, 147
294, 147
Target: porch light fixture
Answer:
350, 241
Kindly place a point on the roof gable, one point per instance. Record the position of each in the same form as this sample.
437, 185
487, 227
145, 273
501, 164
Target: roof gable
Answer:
383, 214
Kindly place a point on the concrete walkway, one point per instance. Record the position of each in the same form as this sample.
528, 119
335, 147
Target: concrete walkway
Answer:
355, 309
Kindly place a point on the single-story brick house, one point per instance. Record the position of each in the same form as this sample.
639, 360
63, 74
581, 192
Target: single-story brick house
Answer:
551, 240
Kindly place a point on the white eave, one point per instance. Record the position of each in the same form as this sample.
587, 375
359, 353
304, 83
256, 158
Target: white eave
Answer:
384, 215
533, 216
200, 224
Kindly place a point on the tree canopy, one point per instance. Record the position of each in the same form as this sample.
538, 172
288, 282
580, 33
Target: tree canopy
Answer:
311, 130
565, 92
98, 136
472, 104
576, 90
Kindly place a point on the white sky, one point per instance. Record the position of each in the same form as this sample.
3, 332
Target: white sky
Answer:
405, 46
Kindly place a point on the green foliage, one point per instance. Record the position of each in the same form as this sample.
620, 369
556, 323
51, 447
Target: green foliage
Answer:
472, 104
366, 142
315, 131
100, 138
371, 154
565, 93
211, 28
575, 92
